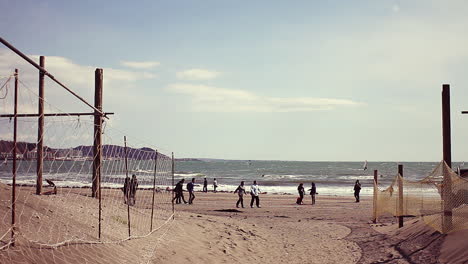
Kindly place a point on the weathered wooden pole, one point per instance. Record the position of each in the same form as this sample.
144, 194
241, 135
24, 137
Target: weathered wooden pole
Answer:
13, 185
40, 129
172, 171
376, 193
154, 188
97, 147
447, 155
127, 186
400, 196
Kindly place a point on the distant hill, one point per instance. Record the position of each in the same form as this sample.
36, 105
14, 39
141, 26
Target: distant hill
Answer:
108, 151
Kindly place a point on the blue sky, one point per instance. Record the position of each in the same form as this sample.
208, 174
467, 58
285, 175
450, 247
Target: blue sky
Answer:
290, 80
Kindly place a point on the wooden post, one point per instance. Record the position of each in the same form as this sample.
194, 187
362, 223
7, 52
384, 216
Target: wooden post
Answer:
97, 148
173, 169
40, 129
447, 155
154, 188
13, 185
127, 191
400, 197
376, 193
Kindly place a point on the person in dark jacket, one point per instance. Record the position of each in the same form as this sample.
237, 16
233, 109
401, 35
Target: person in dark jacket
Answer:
190, 189
301, 191
313, 192
179, 192
357, 190
133, 189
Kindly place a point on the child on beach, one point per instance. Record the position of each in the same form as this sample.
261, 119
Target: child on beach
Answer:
313, 192
357, 190
301, 191
254, 192
240, 191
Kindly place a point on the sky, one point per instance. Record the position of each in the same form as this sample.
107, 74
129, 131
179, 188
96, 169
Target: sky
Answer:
270, 80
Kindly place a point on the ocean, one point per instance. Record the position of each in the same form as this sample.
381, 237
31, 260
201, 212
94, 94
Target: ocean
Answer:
331, 178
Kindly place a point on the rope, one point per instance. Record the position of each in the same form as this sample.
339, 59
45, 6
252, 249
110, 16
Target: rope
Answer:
80, 241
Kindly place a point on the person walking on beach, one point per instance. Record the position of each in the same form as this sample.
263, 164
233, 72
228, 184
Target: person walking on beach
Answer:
301, 191
126, 189
205, 185
357, 190
178, 190
313, 192
190, 187
240, 192
133, 189
215, 185
254, 192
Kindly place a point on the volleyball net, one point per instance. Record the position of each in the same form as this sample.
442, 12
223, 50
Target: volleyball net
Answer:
440, 198
66, 219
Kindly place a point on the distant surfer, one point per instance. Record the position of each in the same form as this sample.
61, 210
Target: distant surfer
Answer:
364, 167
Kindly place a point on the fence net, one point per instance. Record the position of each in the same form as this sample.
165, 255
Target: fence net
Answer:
441, 199
62, 224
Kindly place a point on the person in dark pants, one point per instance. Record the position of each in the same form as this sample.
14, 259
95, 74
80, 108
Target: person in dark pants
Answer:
190, 187
126, 189
357, 190
133, 189
254, 192
205, 185
313, 192
240, 192
301, 191
178, 190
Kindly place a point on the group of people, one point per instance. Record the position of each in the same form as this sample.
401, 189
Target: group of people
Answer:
131, 185
254, 193
129, 189
179, 192
301, 190
205, 185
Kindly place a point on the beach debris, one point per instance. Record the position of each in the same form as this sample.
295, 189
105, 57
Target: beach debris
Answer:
228, 210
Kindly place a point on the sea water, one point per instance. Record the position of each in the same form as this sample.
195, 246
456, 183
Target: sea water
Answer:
331, 178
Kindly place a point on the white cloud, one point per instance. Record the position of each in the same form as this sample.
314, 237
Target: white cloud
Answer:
214, 99
396, 8
197, 74
140, 64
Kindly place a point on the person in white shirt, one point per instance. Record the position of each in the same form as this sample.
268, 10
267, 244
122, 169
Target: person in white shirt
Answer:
254, 192
215, 185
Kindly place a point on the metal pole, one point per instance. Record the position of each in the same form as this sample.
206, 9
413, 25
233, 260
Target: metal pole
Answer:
173, 208
447, 155
374, 217
97, 148
40, 130
13, 185
128, 186
154, 188
400, 197
22, 55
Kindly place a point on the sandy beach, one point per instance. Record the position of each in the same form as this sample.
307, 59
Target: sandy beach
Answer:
213, 230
